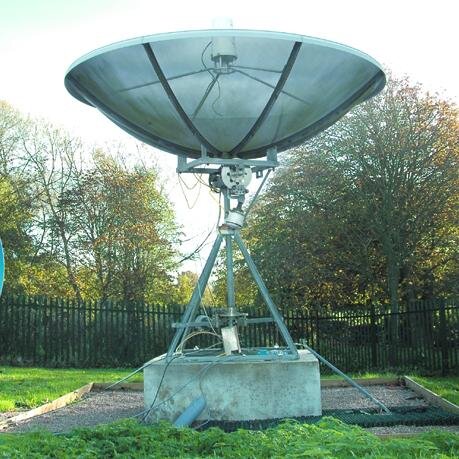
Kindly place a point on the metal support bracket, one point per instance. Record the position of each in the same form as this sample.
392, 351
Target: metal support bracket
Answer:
203, 165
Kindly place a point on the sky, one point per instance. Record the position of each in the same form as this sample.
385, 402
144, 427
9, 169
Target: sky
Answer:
39, 39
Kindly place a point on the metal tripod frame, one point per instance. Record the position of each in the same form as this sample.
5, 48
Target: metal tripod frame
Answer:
230, 236
195, 301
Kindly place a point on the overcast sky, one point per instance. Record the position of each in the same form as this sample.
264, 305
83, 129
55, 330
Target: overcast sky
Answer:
39, 39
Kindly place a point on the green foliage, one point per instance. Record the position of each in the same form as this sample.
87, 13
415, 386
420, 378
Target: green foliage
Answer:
15, 222
124, 229
364, 211
182, 291
329, 438
78, 221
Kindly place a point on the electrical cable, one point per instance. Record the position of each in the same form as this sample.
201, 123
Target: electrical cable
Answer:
159, 386
199, 247
193, 334
205, 95
184, 194
147, 412
192, 187
202, 59
214, 78
216, 100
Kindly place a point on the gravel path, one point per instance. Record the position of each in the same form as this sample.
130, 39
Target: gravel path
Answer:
95, 408
335, 398
9, 414
105, 407
411, 429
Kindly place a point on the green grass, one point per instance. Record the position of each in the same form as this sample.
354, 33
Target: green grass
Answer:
22, 388
447, 387
364, 375
329, 438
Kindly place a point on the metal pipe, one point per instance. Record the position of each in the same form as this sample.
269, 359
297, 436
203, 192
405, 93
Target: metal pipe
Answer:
229, 271
195, 408
346, 377
265, 294
195, 300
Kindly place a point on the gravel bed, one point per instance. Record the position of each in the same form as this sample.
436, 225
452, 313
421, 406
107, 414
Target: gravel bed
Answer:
93, 409
402, 429
9, 414
105, 407
336, 398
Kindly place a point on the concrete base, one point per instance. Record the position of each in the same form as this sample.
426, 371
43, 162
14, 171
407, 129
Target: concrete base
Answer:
235, 390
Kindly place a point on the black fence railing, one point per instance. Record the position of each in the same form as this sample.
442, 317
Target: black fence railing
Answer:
62, 333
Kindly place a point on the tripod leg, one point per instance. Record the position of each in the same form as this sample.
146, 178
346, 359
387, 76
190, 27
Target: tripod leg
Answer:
265, 294
346, 377
195, 300
229, 271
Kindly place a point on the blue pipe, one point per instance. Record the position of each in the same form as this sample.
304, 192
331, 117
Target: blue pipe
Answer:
195, 408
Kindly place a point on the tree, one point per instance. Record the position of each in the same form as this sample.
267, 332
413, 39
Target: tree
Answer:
78, 221
124, 229
16, 206
54, 159
357, 210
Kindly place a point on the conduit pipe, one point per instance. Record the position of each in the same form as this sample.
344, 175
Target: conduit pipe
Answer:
195, 408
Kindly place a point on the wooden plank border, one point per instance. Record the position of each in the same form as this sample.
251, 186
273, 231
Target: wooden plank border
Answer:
393, 381
135, 387
430, 396
325, 383
47, 407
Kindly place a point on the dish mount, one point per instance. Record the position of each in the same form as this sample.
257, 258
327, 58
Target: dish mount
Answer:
230, 178
226, 102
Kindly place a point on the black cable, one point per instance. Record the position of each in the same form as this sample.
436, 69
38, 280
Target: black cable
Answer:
213, 78
198, 248
216, 100
159, 387
202, 59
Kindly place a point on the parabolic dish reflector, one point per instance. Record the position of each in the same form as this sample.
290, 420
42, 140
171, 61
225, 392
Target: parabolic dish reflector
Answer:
237, 93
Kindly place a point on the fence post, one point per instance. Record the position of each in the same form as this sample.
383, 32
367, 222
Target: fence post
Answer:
317, 330
373, 337
443, 338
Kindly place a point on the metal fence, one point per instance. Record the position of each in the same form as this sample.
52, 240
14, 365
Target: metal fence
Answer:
62, 333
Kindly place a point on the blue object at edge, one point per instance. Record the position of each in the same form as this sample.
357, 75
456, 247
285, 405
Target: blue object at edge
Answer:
195, 408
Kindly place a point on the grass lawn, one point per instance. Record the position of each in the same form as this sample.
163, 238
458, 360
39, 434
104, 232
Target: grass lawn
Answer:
329, 438
30, 387
447, 387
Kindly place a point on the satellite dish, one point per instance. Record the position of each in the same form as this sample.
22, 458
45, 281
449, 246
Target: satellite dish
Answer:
227, 102
235, 93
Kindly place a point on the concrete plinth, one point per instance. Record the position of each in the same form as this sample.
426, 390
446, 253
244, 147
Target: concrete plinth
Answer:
235, 390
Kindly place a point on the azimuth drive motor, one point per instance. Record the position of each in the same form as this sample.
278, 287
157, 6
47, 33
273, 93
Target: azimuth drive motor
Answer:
233, 181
